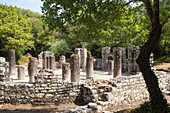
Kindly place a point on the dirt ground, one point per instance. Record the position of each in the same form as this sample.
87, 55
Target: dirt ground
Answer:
46, 109
162, 66
36, 109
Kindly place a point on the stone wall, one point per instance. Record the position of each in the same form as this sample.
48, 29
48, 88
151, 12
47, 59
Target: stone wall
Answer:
123, 92
46, 90
113, 95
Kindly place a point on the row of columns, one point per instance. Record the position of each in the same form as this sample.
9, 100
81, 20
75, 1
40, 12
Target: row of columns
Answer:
121, 63
32, 67
75, 68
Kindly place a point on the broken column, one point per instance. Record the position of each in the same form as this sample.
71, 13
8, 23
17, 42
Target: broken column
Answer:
84, 55
105, 52
21, 73
124, 61
133, 53
75, 68
66, 72
89, 66
131, 58
32, 69
78, 52
12, 67
111, 67
62, 60
117, 62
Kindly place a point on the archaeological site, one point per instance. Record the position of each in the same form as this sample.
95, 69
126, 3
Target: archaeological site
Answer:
109, 84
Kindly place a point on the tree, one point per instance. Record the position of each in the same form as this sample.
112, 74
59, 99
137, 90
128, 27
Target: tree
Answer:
41, 33
97, 14
15, 31
60, 47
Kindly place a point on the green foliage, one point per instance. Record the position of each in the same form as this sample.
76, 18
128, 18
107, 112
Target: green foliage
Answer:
24, 59
103, 23
60, 47
41, 34
15, 31
28, 13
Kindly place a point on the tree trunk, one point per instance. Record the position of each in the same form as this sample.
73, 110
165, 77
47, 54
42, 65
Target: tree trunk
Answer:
159, 104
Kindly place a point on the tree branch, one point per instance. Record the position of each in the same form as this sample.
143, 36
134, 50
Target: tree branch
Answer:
117, 11
136, 21
126, 5
165, 21
148, 8
155, 17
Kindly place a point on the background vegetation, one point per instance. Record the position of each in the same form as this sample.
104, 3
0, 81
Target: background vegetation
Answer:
26, 32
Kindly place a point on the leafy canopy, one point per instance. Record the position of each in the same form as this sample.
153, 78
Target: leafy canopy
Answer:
15, 31
60, 47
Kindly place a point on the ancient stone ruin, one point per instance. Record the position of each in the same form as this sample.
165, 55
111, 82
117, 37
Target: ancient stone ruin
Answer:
110, 83
46, 60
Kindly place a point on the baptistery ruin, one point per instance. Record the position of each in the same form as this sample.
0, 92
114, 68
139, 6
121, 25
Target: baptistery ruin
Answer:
113, 82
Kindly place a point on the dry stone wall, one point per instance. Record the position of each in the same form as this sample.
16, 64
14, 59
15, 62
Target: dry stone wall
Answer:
122, 92
46, 90
116, 94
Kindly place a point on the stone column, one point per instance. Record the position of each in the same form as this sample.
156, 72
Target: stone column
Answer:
32, 69
84, 55
48, 62
137, 54
105, 52
75, 68
40, 61
62, 60
111, 67
131, 58
78, 52
66, 72
89, 66
21, 73
124, 68
44, 57
117, 62
12, 67
52, 62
